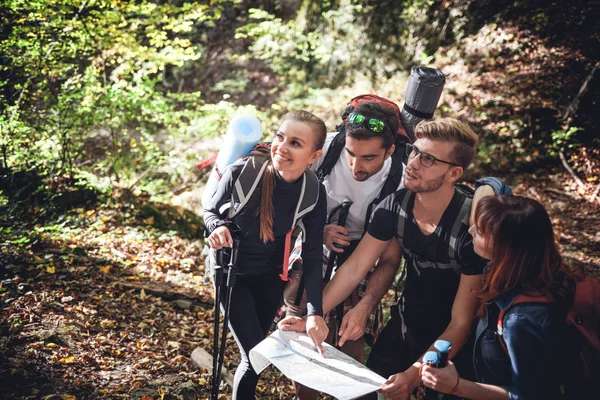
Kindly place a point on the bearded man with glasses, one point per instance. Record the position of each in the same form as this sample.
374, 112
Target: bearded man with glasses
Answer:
429, 219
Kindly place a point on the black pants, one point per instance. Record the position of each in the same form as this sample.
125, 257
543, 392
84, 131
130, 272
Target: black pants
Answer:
392, 354
254, 301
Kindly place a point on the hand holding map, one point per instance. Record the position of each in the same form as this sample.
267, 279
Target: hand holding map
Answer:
334, 373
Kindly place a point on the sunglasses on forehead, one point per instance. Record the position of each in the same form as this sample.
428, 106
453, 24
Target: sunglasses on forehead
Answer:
374, 124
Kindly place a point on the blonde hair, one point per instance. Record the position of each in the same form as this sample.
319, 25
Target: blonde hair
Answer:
451, 130
268, 180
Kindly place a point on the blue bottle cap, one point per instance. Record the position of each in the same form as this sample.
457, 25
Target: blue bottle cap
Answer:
431, 357
443, 346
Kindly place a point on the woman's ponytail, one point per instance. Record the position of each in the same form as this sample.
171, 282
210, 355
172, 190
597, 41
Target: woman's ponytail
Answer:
266, 203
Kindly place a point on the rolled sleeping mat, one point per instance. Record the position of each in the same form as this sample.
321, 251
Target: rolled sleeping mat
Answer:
423, 93
243, 133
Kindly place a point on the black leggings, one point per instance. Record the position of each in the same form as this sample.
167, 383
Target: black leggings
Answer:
255, 300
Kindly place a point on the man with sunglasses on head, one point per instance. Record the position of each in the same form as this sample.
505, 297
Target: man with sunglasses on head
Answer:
430, 220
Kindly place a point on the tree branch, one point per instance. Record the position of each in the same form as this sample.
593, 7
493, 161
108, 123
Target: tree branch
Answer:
595, 194
572, 109
570, 170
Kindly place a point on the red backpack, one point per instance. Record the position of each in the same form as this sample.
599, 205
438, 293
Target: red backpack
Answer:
584, 320
363, 98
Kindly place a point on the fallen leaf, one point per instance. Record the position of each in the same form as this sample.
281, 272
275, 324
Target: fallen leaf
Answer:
107, 323
67, 360
50, 269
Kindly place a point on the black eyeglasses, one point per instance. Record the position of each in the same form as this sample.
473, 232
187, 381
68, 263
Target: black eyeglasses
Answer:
426, 159
374, 124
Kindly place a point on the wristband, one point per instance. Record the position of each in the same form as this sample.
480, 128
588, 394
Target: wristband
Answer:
455, 386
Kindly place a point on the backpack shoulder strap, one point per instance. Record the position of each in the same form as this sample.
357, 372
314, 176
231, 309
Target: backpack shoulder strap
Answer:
522, 298
396, 170
308, 199
333, 153
461, 219
402, 216
309, 196
584, 313
246, 183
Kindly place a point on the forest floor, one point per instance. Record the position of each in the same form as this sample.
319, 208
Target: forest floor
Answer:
106, 301
99, 303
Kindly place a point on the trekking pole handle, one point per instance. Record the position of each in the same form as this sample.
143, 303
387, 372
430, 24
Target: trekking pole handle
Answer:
220, 258
432, 358
344, 211
234, 251
232, 273
218, 269
443, 347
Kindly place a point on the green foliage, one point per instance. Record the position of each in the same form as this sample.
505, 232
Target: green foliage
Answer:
116, 94
563, 140
96, 71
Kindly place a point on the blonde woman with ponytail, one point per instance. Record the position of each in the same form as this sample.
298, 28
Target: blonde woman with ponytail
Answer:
262, 225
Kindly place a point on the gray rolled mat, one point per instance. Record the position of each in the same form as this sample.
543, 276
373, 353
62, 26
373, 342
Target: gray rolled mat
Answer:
424, 89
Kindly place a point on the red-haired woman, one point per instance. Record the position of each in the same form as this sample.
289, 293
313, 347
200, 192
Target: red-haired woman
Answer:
516, 234
258, 292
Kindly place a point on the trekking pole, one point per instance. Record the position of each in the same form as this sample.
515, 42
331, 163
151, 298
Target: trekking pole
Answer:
231, 278
443, 347
437, 359
344, 211
218, 281
432, 358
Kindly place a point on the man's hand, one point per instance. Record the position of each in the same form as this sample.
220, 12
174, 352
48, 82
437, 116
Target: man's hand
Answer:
317, 330
353, 324
295, 324
400, 386
220, 237
333, 233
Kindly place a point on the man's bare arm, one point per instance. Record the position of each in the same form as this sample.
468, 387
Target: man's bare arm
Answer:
355, 320
383, 276
349, 274
464, 311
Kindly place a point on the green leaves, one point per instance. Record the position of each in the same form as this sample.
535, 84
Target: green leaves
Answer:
97, 69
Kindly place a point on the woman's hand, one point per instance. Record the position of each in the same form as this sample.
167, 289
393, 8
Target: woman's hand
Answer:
317, 330
295, 324
220, 237
441, 379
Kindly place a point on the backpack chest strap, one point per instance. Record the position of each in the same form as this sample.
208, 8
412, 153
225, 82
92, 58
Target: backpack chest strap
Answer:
245, 185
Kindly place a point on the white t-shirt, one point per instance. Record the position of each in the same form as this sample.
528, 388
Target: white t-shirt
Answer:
340, 185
